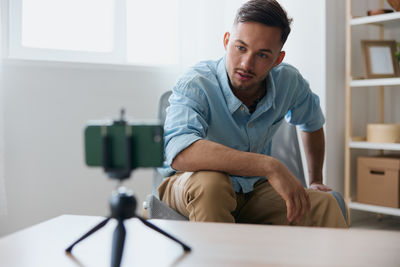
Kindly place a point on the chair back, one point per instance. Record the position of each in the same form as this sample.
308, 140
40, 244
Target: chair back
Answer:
285, 148
162, 113
162, 106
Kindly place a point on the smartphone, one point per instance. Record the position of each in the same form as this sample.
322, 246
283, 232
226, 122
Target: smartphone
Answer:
146, 144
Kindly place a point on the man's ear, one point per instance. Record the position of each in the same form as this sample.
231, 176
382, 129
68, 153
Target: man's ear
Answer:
227, 35
280, 58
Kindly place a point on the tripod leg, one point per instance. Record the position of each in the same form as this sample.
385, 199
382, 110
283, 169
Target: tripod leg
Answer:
118, 244
152, 226
91, 231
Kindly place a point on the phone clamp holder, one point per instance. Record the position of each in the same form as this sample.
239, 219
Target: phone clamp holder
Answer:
122, 202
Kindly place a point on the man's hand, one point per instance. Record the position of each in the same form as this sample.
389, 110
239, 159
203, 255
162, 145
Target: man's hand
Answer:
207, 155
291, 190
320, 187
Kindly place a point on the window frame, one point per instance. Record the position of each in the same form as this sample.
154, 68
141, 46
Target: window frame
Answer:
18, 51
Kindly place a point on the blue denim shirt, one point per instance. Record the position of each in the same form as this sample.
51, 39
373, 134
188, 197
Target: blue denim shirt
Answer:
203, 106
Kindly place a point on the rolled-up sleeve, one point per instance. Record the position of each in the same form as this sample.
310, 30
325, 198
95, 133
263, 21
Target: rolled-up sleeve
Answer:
305, 110
186, 120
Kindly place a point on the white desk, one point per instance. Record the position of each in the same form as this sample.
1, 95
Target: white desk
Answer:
213, 244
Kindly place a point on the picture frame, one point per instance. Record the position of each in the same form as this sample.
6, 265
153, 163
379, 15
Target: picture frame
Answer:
379, 58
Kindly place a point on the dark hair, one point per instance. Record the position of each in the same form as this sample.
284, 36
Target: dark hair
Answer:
267, 12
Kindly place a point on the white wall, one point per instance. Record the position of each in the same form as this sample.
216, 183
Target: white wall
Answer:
46, 107
335, 93
316, 47
305, 47
3, 199
202, 35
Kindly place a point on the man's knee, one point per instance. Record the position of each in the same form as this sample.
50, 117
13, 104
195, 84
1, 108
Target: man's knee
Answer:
326, 210
328, 201
210, 183
210, 197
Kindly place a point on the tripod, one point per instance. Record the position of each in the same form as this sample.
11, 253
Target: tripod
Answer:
122, 202
123, 206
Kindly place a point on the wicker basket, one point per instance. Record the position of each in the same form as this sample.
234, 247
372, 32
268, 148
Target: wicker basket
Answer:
383, 133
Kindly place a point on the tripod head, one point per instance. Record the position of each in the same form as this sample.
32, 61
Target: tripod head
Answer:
122, 204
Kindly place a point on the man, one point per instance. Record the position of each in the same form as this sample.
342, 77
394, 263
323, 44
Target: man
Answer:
221, 119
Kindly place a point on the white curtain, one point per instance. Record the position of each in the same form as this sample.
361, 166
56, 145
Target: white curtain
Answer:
3, 203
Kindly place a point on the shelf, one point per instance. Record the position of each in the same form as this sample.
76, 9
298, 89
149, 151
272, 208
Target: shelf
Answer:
386, 19
376, 146
374, 208
375, 82
356, 29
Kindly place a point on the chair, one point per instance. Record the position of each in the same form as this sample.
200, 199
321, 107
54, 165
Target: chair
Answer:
284, 147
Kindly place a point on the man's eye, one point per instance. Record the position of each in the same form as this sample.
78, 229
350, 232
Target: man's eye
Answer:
262, 55
241, 48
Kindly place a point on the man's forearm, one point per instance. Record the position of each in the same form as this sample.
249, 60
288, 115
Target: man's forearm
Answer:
314, 147
208, 155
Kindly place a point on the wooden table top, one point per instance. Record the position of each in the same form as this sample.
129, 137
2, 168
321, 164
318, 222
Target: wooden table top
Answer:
213, 244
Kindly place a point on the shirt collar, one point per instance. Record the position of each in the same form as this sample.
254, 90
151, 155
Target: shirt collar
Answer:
232, 101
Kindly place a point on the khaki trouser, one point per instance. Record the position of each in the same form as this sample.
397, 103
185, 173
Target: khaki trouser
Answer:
209, 196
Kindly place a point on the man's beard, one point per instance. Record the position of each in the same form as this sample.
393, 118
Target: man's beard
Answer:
242, 87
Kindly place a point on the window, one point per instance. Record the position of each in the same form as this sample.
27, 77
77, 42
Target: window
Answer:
107, 31
66, 25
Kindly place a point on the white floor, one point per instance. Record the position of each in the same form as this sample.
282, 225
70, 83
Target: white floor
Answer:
375, 221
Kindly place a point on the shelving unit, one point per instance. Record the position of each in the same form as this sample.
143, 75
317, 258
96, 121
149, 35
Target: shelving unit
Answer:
385, 21
375, 82
373, 208
375, 146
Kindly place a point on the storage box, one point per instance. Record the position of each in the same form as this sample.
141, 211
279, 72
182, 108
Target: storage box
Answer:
378, 181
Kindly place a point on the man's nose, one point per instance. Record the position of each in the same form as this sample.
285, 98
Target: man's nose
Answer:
247, 62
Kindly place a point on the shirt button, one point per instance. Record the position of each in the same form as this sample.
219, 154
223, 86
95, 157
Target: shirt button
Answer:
242, 108
250, 124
